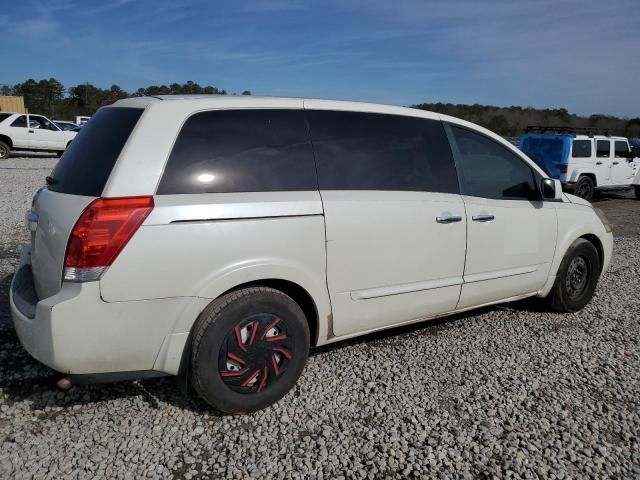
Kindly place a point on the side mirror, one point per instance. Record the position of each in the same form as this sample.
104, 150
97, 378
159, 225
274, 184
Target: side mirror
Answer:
551, 189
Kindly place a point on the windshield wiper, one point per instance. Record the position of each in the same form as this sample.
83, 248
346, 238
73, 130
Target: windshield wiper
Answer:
50, 180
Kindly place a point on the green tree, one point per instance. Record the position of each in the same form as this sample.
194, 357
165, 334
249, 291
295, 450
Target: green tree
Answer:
40, 97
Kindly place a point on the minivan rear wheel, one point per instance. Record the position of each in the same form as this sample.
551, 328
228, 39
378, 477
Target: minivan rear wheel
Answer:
249, 349
637, 189
577, 277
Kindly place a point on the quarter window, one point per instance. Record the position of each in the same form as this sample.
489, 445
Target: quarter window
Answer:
622, 149
581, 149
370, 151
21, 122
603, 148
490, 170
241, 151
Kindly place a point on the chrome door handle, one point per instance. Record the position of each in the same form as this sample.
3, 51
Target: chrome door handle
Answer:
483, 218
449, 219
616, 163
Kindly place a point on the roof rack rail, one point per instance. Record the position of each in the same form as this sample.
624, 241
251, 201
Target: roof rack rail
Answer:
590, 131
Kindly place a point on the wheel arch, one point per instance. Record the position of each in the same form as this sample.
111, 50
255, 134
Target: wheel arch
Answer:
180, 364
589, 174
590, 237
6, 139
578, 222
297, 293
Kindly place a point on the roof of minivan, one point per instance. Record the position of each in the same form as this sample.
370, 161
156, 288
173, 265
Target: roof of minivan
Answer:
219, 100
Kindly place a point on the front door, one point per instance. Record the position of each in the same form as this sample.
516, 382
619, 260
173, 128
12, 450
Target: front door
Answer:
511, 232
604, 162
395, 222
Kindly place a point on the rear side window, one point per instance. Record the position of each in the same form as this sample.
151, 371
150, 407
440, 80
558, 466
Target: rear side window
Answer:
4, 116
622, 149
241, 151
603, 148
490, 170
371, 151
86, 165
581, 149
21, 122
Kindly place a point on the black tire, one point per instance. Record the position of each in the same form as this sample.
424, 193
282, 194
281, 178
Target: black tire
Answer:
637, 189
273, 352
577, 277
585, 188
5, 151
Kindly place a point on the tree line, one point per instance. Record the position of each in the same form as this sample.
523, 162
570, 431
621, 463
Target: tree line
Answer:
51, 98
512, 121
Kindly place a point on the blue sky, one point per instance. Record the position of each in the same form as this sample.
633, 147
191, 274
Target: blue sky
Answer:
579, 54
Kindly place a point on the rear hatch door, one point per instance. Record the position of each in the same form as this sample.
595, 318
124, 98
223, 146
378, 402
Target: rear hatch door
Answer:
79, 178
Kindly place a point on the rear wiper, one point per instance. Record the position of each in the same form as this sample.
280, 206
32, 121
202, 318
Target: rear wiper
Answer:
50, 180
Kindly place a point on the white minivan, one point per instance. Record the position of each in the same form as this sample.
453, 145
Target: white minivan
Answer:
219, 238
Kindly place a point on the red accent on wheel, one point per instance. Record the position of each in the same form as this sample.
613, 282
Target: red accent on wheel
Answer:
239, 339
254, 330
263, 380
248, 380
239, 373
283, 352
235, 357
274, 362
269, 327
279, 337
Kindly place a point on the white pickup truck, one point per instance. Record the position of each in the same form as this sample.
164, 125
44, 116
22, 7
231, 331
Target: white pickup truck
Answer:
23, 131
585, 162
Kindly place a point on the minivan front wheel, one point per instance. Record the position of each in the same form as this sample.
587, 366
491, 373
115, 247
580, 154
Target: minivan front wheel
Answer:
249, 349
577, 277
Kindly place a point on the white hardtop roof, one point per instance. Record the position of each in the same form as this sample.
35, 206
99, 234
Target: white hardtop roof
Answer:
599, 137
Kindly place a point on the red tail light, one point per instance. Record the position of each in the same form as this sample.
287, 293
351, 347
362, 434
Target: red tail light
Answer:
100, 234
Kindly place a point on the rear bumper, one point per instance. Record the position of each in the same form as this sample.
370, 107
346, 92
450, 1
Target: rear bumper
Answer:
75, 332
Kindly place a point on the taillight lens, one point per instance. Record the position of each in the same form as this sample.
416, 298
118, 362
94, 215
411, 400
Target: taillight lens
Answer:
100, 234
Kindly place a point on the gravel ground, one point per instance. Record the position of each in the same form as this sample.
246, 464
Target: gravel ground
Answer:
510, 391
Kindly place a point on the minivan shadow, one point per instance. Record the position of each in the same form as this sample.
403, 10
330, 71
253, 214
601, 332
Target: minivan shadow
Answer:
22, 378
